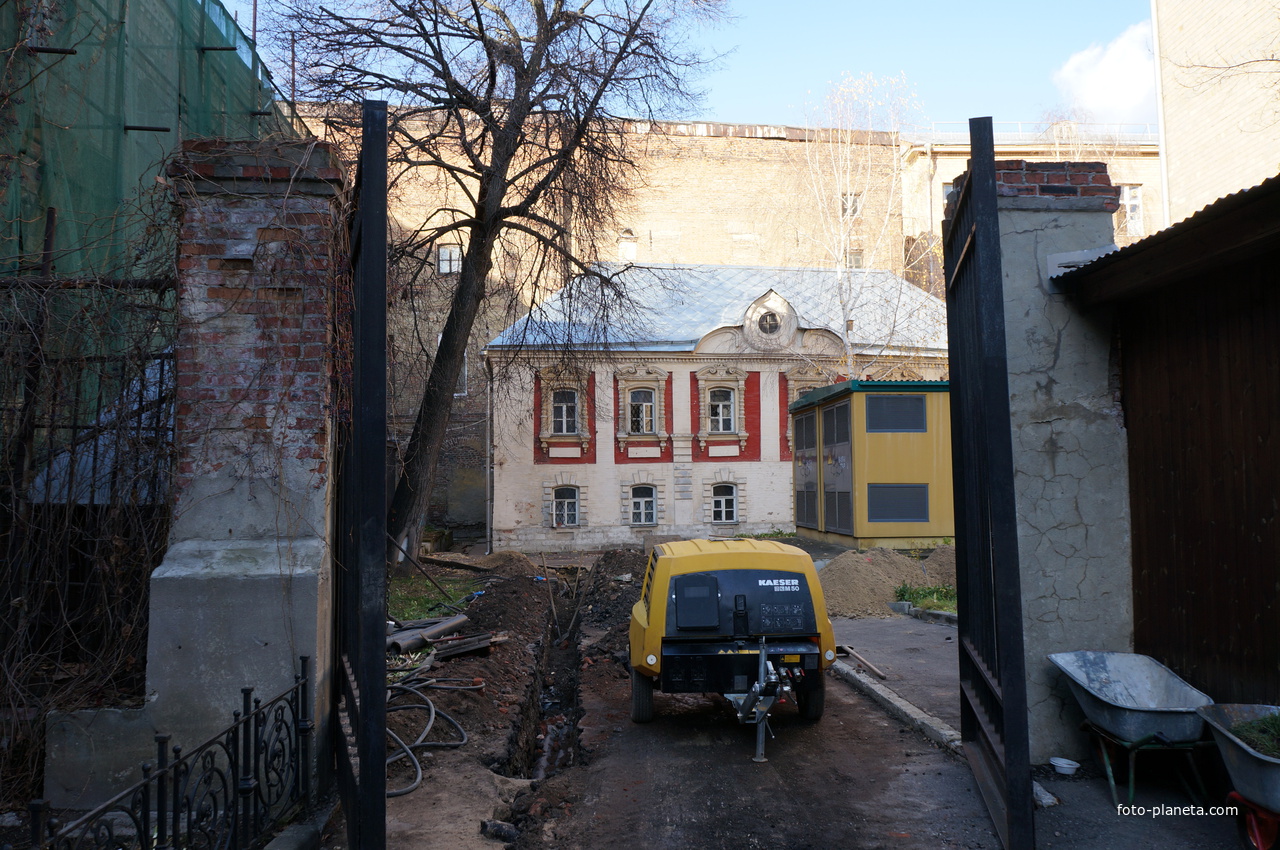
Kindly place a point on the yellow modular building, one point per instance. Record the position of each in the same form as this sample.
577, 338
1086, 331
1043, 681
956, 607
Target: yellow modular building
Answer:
872, 464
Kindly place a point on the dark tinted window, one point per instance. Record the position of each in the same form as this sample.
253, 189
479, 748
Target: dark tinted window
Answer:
898, 502
896, 413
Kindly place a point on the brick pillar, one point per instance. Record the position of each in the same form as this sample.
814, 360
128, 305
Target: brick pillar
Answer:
244, 588
252, 396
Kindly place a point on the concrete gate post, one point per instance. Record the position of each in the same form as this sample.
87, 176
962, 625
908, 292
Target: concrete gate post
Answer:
1069, 444
244, 588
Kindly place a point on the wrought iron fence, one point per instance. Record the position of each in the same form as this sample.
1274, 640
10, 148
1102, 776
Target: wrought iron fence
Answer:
227, 794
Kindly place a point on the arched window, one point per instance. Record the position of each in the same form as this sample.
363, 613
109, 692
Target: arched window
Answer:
643, 505
640, 410
565, 506
564, 412
724, 503
720, 411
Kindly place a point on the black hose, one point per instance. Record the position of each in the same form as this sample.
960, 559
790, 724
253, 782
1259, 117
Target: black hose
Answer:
412, 688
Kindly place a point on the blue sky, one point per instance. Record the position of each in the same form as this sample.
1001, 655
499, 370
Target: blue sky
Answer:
965, 59
1011, 60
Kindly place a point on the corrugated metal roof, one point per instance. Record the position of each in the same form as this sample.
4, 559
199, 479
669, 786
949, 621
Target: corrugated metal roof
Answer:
674, 306
1185, 234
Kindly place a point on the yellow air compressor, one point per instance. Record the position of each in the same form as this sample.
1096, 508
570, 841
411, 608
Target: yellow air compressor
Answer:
741, 618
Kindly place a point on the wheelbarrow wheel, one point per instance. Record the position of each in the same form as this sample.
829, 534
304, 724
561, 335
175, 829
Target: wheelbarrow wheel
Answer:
641, 697
1257, 830
812, 702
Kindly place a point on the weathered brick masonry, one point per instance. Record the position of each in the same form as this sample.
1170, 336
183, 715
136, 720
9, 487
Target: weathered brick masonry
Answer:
254, 271
244, 588
1018, 177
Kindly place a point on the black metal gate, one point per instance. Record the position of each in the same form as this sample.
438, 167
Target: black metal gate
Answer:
360, 509
993, 692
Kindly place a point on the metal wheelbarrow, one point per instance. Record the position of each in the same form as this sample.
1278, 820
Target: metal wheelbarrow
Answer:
1256, 777
1136, 704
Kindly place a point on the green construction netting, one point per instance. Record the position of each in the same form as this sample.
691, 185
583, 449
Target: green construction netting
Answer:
84, 133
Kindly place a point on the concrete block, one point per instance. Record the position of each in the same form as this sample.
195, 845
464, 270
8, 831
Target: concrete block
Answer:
92, 755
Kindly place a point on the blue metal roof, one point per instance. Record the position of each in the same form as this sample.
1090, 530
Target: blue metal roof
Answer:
671, 307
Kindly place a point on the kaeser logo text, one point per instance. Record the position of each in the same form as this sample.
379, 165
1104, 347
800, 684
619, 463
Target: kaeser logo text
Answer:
781, 583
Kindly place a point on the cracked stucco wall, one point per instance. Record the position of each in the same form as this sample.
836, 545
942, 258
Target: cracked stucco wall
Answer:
1070, 462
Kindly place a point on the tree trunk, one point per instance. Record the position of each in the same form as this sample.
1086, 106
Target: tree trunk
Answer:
413, 490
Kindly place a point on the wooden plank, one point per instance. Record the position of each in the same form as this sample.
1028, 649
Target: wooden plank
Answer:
864, 662
1202, 408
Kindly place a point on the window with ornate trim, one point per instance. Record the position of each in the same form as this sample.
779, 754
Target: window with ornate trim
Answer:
724, 503
565, 417
644, 505
723, 395
564, 507
800, 380
641, 404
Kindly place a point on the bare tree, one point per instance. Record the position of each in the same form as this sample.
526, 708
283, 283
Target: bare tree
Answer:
853, 173
517, 106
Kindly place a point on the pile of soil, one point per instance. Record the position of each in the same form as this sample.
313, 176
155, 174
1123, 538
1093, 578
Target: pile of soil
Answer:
862, 584
940, 566
615, 588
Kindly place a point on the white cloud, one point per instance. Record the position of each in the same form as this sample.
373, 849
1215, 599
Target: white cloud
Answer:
1113, 82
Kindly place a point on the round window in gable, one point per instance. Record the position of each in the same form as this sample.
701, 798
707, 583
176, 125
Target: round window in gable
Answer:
769, 323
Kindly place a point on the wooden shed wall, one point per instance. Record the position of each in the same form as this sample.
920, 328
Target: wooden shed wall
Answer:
1201, 389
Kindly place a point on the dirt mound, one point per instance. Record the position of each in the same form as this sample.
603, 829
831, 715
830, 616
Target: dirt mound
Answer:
862, 584
509, 564
940, 567
609, 600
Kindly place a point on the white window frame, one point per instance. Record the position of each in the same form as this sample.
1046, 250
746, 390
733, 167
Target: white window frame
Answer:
644, 411
562, 424
724, 506
722, 377
556, 380
850, 205
718, 420
566, 510
1130, 213
644, 509
448, 258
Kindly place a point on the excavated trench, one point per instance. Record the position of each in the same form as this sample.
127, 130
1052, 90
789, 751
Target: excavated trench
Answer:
544, 736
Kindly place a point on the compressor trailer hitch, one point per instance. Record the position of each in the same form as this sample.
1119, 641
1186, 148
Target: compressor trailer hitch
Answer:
753, 706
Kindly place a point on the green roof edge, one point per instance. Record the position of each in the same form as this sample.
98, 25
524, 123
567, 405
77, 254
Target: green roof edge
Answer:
813, 398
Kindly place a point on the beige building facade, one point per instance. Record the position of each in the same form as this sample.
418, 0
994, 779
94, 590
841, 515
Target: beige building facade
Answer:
934, 159
1219, 114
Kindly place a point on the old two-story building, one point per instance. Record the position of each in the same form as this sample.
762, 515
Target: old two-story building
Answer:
672, 419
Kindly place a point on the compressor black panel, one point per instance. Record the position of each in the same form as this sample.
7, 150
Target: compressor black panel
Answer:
740, 603
697, 601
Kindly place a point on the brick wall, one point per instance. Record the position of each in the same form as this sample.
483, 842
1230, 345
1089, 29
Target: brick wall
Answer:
1017, 177
254, 278
1221, 129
